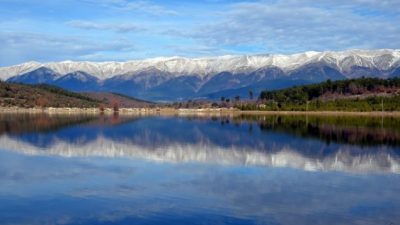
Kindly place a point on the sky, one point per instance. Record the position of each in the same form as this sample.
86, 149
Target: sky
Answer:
121, 30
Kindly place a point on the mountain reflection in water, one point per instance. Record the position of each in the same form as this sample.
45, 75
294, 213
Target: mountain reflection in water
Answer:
312, 143
122, 170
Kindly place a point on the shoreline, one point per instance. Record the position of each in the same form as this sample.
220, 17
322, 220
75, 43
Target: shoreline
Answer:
173, 111
325, 113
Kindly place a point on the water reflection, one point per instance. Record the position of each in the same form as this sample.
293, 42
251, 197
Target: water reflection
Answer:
172, 170
363, 144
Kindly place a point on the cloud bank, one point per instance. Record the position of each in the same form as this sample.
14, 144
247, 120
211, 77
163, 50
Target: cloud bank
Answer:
107, 29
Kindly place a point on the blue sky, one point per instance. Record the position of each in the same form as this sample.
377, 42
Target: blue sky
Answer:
119, 30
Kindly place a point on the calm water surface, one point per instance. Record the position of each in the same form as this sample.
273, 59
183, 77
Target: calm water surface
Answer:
199, 170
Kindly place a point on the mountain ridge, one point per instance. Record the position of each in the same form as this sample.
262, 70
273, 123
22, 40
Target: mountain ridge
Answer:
177, 78
209, 65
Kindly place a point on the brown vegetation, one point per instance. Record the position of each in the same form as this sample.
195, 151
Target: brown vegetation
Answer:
112, 99
27, 96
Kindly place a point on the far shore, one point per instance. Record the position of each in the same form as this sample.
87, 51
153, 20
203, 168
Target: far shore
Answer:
202, 111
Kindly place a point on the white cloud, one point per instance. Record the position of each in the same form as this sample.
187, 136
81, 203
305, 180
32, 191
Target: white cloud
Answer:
42, 47
287, 26
118, 27
210, 27
141, 6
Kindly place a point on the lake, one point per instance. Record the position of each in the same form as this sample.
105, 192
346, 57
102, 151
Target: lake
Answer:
228, 169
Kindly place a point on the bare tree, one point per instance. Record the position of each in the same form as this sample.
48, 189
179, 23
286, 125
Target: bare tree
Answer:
115, 105
101, 108
42, 101
251, 94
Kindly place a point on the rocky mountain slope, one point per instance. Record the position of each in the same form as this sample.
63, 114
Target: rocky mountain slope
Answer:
178, 78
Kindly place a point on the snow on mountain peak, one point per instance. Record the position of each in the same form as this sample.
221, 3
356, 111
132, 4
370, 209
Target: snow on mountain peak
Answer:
382, 59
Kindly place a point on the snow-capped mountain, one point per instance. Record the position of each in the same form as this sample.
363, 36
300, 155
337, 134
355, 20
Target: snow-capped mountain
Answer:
178, 77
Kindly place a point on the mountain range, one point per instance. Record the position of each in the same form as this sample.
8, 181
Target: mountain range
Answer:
179, 78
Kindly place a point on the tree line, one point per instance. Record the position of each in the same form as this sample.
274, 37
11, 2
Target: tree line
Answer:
304, 93
363, 94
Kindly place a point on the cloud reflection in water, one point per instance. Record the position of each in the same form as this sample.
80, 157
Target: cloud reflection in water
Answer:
157, 170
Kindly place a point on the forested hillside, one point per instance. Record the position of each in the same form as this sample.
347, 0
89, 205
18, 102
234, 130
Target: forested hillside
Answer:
364, 94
